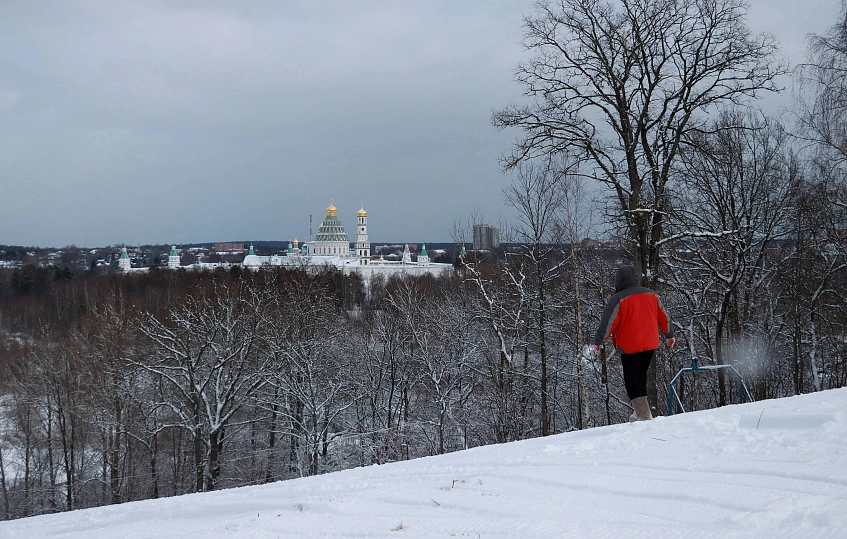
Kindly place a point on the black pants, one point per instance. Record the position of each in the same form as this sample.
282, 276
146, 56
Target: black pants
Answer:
635, 373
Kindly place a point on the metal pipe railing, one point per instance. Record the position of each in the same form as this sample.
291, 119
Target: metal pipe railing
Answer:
696, 368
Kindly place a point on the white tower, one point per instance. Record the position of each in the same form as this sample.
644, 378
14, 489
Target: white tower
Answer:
173, 258
407, 255
363, 246
423, 258
123, 261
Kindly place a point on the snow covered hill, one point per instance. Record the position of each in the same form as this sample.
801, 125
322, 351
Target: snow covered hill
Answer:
768, 469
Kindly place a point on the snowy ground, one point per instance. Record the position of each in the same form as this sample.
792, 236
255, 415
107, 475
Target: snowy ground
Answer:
769, 469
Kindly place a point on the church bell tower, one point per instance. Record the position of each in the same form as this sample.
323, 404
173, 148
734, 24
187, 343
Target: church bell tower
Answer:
363, 246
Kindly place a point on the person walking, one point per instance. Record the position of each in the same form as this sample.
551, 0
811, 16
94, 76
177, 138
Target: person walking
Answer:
633, 317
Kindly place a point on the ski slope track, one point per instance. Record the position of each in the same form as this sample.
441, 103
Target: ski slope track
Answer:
770, 469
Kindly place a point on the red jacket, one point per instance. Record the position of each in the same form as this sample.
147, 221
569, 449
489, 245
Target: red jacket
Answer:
633, 317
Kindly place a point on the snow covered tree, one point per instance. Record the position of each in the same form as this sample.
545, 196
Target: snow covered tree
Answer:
107, 338
63, 397
733, 210
536, 193
205, 354
499, 309
309, 379
444, 352
385, 373
821, 105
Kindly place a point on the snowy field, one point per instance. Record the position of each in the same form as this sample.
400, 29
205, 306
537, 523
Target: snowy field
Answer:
768, 469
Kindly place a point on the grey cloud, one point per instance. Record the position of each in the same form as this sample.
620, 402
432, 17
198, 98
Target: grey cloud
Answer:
197, 121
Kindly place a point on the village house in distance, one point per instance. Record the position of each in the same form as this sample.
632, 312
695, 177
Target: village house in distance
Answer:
331, 248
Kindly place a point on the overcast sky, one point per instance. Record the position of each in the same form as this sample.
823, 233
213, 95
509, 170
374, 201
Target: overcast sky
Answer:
171, 122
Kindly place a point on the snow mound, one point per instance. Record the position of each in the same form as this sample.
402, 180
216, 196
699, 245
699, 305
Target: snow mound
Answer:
768, 469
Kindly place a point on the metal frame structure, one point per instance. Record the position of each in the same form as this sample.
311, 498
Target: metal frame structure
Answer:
695, 369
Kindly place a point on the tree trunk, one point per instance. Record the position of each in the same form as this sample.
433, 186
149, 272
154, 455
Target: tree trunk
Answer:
154, 476
293, 465
719, 361
580, 345
269, 475
813, 349
50, 461
3, 488
542, 338
441, 422
198, 458
114, 463
212, 466
67, 454
27, 461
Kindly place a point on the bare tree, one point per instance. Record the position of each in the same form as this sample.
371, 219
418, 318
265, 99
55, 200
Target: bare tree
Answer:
734, 205
383, 375
500, 309
536, 193
444, 351
309, 375
574, 229
205, 352
60, 390
822, 97
107, 339
812, 305
623, 84
821, 101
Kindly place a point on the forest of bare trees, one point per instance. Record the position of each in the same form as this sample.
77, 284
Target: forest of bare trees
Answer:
124, 387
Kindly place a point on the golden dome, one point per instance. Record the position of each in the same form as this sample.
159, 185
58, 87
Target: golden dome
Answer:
362, 212
331, 211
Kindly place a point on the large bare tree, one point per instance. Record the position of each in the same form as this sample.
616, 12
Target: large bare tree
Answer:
621, 84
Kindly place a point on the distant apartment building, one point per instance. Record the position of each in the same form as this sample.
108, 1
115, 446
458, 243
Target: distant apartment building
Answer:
485, 237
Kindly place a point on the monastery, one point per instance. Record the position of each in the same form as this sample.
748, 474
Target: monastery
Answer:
331, 248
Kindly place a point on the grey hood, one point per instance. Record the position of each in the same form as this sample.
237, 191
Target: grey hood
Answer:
625, 277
